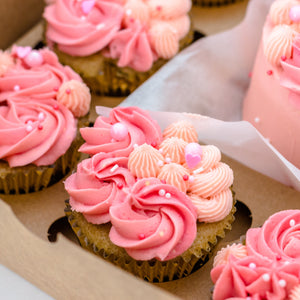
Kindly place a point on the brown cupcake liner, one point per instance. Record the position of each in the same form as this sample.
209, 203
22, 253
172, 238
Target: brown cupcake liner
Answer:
211, 3
103, 75
32, 178
153, 270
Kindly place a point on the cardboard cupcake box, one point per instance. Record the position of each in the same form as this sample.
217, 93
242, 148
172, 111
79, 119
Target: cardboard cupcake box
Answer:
37, 243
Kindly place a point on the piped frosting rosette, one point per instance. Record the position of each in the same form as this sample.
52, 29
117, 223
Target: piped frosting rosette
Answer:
118, 133
99, 182
154, 221
270, 267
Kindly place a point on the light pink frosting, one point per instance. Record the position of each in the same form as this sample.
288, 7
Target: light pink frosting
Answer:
39, 82
6, 62
80, 34
183, 130
272, 267
279, 11
81, 29
141, 129
34, 132
98, 183
150, 226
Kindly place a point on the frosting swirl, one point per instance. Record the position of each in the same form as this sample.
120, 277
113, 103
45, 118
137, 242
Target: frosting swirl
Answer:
150, 226
98, 183
141, 129
37, 132
183, 130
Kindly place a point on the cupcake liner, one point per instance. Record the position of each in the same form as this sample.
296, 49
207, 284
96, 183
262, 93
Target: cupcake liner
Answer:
95, 238
32, 178
210, 3
103, 75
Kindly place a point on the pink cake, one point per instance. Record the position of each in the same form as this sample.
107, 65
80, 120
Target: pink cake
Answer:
272, 103
267, 267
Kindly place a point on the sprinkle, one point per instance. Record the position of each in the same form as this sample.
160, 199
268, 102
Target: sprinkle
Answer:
168, 160
147, 183
185, 177
29, 128
40, 127
141, 236
286, 263
161, 233
41, 116
283, 58
128, 12
135, 146
257, 120
68, 91
269, 72
154, 144
119, 185
191, 178
161, 192
55, 106
29, 122
266, 277
55, 89
114, 168
160, 150
16, 88
100, 26
252, 266
278, 257
292, 222
160, 163
199, 170
282, 283
248, 298
168, 195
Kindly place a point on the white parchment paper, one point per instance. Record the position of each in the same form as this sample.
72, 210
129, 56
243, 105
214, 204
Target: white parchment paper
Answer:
210, 78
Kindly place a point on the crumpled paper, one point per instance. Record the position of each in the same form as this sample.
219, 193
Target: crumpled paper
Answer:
210, 78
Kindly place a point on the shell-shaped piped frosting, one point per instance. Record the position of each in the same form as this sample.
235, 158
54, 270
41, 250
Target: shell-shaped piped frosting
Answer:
6, 62
280, 10
211, 156
169, 9
175, 175
181, 25
209, 184
295, 293
136, 10
214, 209
183, 130
145, 161
163, 39
279, 44
237, 250
174, 149
75, 95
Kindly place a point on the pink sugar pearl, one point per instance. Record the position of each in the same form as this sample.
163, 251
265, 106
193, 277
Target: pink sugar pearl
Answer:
34, 59
119, 132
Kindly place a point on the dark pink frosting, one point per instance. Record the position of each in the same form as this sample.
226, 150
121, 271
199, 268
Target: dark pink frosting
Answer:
150, 226
98, 183
81, 34
34, 132
39, 82
141, 129
271, 269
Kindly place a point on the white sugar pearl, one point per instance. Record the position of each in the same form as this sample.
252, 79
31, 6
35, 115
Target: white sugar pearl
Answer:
292, 222
168, 195
282, 283
161, 192
252, 265
266, 277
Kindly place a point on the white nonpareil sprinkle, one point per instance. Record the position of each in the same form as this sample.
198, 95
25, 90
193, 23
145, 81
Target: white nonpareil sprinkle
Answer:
29, 128
128, 12
114, 168
160, 163
168, 160
292, 222
191, 178
257, 120
282, 283
266, 277
168, 195
16, 88
100, 26
252, 265
199, 170
161, 192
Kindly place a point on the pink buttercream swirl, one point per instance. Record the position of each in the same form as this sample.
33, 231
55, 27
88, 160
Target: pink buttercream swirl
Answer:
141, 129
39, 82
99, 182
149, 225
79, 32
37, 132
271, 269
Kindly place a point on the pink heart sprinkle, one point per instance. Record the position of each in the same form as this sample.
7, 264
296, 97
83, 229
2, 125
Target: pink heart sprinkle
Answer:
192, 159
87, 5
23, 51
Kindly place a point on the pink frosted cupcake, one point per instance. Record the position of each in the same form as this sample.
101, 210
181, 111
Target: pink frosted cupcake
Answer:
164, 201
116, 45
41, 102
267, 267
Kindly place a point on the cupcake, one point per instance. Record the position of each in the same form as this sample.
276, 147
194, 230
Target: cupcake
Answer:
151, 203
41, 105
116, 45
267, 267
